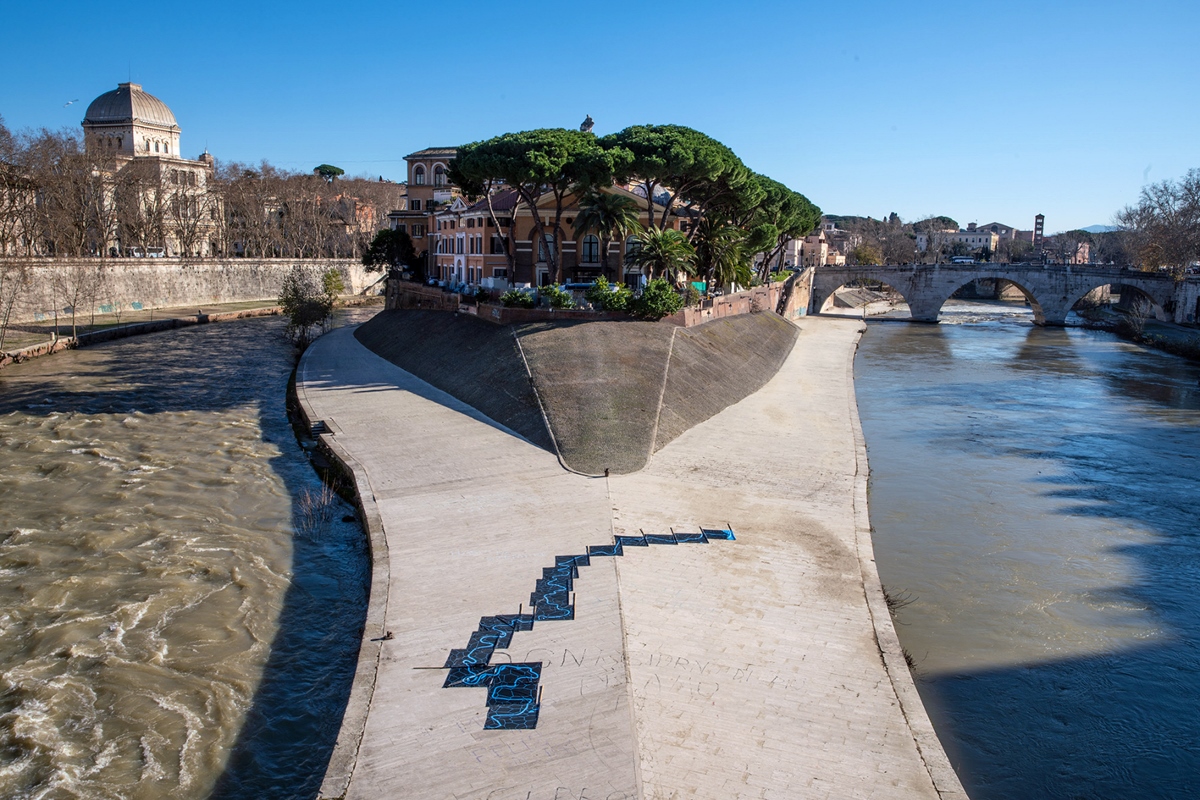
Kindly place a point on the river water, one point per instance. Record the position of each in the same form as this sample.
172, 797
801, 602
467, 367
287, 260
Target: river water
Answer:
1033, 493
180, 601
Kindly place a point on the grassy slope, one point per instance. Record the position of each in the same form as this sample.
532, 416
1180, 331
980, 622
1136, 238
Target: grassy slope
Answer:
717, 364
600, 382
475, 361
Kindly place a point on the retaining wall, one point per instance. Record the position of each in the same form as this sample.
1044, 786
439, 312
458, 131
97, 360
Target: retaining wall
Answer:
403, 294
108, 285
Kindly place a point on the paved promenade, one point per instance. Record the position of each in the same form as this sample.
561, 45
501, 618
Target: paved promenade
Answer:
722, 669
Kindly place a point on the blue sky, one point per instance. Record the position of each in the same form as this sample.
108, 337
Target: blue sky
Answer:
983, 112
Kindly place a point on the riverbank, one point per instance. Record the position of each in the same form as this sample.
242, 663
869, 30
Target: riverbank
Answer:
41, 339
766, 665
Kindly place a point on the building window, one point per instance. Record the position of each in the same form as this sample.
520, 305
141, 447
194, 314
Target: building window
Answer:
419, 175
418, 230
632, 248
414, 204
590, 252
439, 175
545, 245
471, 223
460, 245
501, 272
497, 245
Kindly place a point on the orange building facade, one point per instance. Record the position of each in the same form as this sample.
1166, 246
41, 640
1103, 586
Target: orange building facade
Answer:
464, 242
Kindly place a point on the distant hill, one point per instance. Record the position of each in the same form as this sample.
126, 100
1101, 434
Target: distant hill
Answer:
1100, 228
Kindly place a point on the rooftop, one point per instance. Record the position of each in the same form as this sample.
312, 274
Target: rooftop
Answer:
128, 103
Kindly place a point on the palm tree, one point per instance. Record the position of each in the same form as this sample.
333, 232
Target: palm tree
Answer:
612, 216
721, 255
664, 251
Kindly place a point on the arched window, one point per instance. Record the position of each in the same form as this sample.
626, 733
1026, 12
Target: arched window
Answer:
544, 246
419, 175
439, 175
589, 253
147, 145
632, 247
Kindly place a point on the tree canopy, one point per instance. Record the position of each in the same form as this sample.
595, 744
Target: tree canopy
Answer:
553, 160
703, 180
389, 248
1163, 229
329, 172
688, 164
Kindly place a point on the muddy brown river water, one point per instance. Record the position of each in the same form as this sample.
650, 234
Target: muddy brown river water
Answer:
180, 601
1034, 496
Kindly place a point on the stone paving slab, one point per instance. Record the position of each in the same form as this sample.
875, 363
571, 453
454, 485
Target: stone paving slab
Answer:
744, 668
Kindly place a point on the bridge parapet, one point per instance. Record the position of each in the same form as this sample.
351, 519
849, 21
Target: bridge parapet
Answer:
1051, 290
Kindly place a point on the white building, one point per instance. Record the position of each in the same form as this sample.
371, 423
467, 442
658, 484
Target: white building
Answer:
175, 212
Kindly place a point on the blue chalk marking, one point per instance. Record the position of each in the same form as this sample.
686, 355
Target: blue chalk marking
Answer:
512, 689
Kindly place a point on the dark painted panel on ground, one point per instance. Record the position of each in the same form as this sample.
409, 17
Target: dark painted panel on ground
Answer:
514, 697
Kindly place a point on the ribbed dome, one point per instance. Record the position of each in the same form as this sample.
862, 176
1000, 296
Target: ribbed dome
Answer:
128, 103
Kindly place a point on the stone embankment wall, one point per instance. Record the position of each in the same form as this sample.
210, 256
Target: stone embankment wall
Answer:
136, 329
403, 294
105, 286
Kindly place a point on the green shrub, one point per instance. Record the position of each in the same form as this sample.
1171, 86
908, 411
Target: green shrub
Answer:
659, 299
482, 295
609, 296
691, 296
307, 303
598, 291
332, 283
557, 297
515, 298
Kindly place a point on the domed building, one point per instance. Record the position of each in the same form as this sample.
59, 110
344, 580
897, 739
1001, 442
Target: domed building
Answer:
161, 200
132, 122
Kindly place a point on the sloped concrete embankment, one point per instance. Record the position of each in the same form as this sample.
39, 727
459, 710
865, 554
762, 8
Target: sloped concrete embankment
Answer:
606, 395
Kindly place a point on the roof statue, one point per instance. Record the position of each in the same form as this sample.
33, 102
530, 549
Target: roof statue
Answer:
587, 125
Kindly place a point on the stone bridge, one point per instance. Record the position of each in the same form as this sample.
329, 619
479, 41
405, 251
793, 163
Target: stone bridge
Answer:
1050, 290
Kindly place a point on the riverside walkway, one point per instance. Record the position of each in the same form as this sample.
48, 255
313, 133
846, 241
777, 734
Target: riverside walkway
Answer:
706, 669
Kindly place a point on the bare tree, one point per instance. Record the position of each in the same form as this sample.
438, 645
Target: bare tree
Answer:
1163, 229
14, 279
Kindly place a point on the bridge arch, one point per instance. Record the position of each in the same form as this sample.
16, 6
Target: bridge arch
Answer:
956, 283
828, 282
1158, 297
